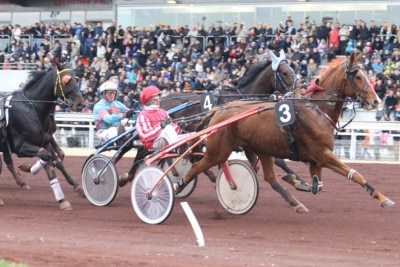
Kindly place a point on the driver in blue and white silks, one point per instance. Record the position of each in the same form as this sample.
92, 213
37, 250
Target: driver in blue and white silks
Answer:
109, 112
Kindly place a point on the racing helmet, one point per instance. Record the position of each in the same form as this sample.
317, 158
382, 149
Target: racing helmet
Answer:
149, 92
108, 86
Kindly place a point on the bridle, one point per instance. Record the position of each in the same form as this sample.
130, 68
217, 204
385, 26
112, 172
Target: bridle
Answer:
58, 87
351, 73
278, 78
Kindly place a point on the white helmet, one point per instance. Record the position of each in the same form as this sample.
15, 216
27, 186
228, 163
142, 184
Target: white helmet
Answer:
108, 86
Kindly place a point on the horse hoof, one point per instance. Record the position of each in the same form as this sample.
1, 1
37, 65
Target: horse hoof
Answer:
387, 203
80, 191
65, 205
25, 167
25, 186
300, 208
316, 185
1, 203
302, 186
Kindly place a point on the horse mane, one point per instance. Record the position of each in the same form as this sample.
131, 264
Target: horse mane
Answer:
252, 72
327, 72
35, 77
176, 95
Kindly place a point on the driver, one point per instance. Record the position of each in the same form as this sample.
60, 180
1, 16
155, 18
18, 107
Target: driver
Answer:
154, 128
109, 112
153, 123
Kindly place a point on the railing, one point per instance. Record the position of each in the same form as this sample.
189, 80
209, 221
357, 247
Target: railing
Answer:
78, 130
34, 42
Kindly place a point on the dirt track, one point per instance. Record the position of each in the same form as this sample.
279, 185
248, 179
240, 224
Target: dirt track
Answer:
344, 226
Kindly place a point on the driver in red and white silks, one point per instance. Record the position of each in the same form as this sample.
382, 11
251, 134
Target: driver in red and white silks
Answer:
153, 123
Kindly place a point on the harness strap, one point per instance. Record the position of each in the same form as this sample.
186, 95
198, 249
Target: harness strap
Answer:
6, 106
294, 155
58, 82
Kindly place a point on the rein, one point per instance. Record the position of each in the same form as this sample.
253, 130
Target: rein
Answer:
350, 73
59, 101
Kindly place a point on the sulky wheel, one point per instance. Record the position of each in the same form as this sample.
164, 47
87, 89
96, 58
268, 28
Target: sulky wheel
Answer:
182, 167
154, 208
99, 180
245, 196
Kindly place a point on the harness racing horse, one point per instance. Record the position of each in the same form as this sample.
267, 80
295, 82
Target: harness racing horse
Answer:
262, 80
308, 136
27, 112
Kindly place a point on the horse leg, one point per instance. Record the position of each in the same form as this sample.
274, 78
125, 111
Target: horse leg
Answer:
252, 158
292, 178
267, 163
57, 157
57, 149
282, 164
56, 187
336, 165
210, 159
10, 166
77, 187
27, 150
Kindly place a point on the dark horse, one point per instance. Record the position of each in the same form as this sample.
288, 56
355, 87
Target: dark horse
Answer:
312, 131
262, 80
26, 123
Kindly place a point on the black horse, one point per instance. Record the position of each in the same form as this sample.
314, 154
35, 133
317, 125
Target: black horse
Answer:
27, 130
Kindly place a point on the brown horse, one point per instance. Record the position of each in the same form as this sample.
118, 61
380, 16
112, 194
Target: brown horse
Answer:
262, 80
311, 133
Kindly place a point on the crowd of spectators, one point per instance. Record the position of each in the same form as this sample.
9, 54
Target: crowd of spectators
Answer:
195, 58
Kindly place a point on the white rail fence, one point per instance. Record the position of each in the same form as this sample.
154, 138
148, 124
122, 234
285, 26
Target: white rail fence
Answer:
78, 130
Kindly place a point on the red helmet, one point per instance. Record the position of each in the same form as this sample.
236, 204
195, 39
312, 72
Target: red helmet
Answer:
148, 92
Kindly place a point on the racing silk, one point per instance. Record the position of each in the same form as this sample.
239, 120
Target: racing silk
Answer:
108, 114
148, 125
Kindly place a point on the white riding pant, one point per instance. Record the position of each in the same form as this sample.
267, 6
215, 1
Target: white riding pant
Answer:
168, 136
104, 134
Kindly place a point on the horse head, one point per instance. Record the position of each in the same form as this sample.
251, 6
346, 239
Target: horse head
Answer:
349, 79
359, 86
67, 89
285, 79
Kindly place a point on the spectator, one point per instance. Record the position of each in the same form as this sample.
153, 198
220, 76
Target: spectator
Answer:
390, 103
343, 38
101, 50
354, 32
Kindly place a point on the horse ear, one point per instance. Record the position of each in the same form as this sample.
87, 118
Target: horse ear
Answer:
359, 57
352, 58
59, 66
282, 55
275, 60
